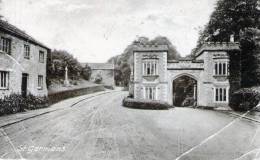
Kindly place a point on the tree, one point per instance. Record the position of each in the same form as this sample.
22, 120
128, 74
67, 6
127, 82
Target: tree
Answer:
57, 61
230, 18
250, 58
86, 72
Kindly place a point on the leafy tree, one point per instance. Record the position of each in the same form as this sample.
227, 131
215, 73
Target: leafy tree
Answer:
250, 58
230, 18
86, 72
57, 61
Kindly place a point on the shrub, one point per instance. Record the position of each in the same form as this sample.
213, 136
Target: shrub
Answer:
16, 103
145, 104
245, 99
109, 87
98, 79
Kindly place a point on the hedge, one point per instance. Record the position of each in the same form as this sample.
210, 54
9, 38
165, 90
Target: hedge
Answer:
17, 103
145, 104
58, 96
245, 99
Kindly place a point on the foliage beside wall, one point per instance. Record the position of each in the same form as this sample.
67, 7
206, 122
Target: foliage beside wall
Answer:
234, 73
16, 103
245, 99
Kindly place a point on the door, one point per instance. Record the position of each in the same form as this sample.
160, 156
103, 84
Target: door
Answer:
24, 84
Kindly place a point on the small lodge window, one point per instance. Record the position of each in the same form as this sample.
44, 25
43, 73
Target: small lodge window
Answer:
150, 68
26, 51
40, 82
221, 69
4, 78
5, 45
150, 93
41, 56
221, 94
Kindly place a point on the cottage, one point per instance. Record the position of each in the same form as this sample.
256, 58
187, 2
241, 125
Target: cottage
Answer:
203, 80
22, 63
105, 71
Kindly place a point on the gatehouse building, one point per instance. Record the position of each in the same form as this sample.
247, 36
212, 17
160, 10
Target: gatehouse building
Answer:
200, 81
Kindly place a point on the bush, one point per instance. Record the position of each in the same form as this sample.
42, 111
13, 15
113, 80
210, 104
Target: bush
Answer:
145, 104
245, 99
109, 87
16, 103
98, 79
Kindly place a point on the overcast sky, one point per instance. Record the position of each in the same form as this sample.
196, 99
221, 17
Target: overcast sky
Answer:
95, 30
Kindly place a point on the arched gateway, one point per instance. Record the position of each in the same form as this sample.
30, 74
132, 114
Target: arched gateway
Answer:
201, 81
184, 91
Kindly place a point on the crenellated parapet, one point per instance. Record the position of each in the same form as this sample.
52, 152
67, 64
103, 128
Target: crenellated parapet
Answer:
218, 46
150, 48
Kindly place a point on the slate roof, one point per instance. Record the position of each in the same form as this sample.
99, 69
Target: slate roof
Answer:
14, 31
99, 66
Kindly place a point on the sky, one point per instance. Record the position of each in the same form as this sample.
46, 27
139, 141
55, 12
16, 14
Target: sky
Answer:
95, 30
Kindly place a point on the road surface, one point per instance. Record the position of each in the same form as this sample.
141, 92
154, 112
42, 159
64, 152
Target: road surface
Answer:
101, 129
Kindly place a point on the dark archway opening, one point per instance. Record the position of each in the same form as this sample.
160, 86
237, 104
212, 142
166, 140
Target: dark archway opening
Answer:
184, 92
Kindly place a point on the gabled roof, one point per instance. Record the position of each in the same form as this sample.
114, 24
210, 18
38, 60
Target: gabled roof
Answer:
14, 31
99, 66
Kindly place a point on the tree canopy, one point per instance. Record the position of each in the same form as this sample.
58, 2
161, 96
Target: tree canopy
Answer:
230, 17
58, 60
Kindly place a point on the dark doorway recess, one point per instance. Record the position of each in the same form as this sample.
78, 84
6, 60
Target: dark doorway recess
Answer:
184, 91
24, 84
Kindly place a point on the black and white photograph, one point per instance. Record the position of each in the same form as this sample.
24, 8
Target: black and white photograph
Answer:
129, 80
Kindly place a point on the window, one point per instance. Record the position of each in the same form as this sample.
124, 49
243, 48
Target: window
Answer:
221, 69
150, 93
41, 57
150, 68
26, 51
5, 45
4, 78
221, 94
40, 82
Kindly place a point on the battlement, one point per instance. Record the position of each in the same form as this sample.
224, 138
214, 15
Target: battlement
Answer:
218, 46
150, 48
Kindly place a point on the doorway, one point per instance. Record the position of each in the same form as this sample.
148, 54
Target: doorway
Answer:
184, 91
24, 84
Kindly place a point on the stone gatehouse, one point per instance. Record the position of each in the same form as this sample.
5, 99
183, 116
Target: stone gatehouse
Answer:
156, 78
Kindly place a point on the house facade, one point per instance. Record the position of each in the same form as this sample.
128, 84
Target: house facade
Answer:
22, 63
104, 70
156, 78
